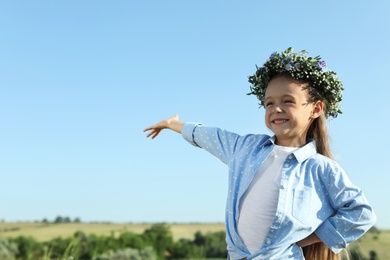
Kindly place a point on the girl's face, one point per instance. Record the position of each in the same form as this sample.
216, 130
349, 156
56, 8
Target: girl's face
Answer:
288, 112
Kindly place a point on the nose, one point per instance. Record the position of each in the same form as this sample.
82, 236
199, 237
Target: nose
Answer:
277, 109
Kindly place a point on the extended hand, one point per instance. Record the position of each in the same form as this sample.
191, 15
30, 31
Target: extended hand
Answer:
170, 123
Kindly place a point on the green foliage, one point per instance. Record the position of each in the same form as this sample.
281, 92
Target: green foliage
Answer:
61, 219
153, 244
301, 67
129, 254
8, 249
131, 240
356, 254
373, 255
27, 248
160, 238
213, 243
187, 249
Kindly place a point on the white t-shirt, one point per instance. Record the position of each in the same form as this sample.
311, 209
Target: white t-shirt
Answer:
259, 203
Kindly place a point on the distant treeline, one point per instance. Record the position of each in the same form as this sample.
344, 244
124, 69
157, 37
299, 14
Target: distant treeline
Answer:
154, 243
60, 219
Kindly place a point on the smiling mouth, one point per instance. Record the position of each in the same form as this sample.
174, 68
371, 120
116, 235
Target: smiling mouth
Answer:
279, 121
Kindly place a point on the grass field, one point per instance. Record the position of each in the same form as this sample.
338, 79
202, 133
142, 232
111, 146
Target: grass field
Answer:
45, 232
378, 242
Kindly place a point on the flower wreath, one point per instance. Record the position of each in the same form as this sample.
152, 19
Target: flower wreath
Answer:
307, 69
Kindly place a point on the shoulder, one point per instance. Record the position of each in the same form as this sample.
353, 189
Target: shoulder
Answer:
256, 140
325, 161
262, 138
327, 168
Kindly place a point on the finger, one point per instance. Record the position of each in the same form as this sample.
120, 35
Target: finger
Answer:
156, 133
148, 128
151, 133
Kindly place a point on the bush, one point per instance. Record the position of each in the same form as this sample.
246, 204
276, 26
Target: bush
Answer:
8, 249
155, 243
129, 254
160, 238
28, 248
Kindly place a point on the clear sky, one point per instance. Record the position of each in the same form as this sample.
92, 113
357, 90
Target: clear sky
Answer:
80, 80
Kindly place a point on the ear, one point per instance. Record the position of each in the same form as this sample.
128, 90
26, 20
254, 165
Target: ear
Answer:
318, 109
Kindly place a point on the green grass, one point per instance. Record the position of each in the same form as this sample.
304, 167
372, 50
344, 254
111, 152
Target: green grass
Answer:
46, 232
378, 242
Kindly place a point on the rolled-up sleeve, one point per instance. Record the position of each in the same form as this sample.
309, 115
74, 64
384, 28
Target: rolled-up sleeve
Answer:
188, 132
220, 143
353, 215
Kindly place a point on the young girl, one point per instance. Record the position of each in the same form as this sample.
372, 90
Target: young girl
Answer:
287, 199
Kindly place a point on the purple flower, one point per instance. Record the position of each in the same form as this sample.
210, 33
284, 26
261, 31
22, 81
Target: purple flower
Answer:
321, 65
272, 55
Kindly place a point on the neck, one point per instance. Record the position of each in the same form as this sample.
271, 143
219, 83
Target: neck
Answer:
290, 143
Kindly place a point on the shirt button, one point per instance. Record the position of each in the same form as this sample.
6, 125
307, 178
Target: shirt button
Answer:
268, 241
286, 165
280, 216
290, 157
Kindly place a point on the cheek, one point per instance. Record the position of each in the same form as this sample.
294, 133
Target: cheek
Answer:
267, 118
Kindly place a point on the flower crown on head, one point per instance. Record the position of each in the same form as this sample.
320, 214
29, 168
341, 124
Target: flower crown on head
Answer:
303, 68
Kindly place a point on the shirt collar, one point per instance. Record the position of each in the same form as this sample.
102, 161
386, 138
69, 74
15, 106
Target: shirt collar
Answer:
306, 151
302, 153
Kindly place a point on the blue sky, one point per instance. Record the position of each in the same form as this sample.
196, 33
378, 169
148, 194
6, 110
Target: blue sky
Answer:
80, 80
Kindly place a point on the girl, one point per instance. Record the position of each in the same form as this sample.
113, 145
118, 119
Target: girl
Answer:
287, 199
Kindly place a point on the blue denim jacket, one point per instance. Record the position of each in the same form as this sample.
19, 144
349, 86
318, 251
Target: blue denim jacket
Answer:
315, 194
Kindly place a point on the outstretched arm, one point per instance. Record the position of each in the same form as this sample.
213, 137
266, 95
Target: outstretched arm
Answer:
171, 123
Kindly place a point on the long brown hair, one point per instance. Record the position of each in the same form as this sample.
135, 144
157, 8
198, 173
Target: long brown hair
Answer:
318, 132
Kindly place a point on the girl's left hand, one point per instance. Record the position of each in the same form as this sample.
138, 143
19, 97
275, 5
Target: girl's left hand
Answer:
311, 239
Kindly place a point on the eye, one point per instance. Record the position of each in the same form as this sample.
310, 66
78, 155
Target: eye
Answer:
289, 101
267, 104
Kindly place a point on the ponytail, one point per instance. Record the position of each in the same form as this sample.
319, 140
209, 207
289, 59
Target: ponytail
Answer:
318, 131
319, 251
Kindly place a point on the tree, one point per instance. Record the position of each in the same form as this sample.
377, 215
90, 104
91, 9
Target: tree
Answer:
131, 240
160, 238
187, 249
28, 248
59, 219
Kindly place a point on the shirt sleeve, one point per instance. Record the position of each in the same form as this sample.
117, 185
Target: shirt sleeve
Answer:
353, 215
218, 142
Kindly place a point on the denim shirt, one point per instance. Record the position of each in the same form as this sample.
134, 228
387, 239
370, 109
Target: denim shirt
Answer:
315, 194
